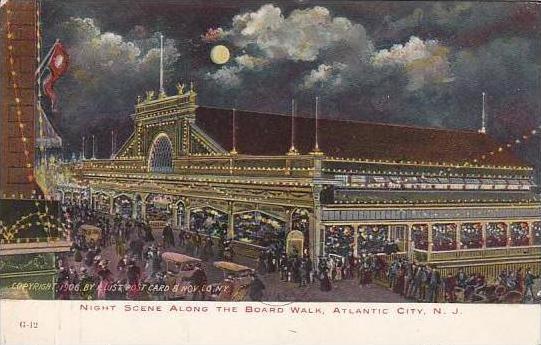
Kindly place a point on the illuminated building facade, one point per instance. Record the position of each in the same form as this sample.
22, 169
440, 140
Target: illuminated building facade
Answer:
446, 197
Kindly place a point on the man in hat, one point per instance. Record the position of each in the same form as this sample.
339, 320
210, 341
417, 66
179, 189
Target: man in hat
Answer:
168, 237
434, 282
528, 283
256, 288
199, 281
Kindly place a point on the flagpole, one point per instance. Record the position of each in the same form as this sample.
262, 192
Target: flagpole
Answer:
162, 92
46, 58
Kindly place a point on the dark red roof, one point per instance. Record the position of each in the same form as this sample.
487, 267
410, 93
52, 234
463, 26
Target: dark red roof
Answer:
270, 134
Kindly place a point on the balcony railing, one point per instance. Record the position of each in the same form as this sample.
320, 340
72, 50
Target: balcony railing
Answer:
481, 253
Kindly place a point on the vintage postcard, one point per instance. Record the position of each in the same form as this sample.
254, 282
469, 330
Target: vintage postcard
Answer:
288, 170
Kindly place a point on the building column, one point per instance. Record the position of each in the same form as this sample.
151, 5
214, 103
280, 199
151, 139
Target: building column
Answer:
530, 233
408, 243
174, 211
429, 249
143, 210
289, 220
111, 205
134, 208
458, 235
484, 235
187, 216
230, 221
508, 234
356, 239
315, 246
314, 232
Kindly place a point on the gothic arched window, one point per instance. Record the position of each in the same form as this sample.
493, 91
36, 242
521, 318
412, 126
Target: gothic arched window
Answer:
161, 155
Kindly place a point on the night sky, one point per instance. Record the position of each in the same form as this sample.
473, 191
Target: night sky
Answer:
415, 63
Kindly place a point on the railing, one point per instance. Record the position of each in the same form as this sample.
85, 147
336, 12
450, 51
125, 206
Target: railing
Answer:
120, 165
212, 165
484, 253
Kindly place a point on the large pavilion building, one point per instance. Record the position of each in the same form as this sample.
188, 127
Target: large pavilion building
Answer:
329, 187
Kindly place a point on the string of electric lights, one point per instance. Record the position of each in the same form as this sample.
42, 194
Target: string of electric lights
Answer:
8, 233
511, 144
16, 89
38, 59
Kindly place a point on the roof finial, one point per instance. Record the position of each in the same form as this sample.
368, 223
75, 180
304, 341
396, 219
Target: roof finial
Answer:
292, 149
316, 150
483, 129
234, 149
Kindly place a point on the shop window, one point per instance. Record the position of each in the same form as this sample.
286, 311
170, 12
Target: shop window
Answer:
260, 229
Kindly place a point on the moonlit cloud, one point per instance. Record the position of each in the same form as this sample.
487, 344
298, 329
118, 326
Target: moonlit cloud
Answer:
424, 61
324, 74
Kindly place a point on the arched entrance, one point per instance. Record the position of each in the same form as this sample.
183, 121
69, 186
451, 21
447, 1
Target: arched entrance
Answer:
259, 228
300, 221
295, 243
160, 157
209, 221
123, 206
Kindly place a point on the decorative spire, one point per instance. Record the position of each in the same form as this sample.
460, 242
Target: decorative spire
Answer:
292, 150
316, 150
483, 117
234, 132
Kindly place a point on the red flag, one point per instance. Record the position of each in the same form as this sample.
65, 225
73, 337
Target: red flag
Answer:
58, 65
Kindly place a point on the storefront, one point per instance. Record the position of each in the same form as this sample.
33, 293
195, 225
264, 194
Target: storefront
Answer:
102, 202
123, 206
208, 221
444, 237
419, 236
496, 235
471, 235
339, 240
260, 229
159, 207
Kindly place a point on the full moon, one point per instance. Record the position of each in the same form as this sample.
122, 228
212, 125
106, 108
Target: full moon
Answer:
219, 54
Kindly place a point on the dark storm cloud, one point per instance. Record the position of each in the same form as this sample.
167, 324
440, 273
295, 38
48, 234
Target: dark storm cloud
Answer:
419, 63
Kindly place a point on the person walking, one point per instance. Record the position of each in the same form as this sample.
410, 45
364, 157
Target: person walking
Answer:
199, 281
168, 237
256, 288
528, 284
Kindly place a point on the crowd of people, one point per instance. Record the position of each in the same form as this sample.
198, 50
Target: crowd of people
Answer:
140, 262
424, 283
140, 267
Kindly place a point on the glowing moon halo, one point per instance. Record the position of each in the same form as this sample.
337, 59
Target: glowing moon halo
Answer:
219, 54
